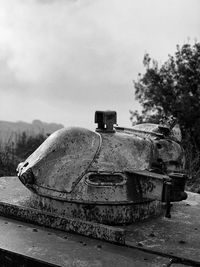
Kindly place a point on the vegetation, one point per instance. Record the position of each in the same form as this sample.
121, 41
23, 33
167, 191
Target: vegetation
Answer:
11, 154
174, 90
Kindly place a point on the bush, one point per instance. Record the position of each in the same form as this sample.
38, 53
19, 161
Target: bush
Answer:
11, 154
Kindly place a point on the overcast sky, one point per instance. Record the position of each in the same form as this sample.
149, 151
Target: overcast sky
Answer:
60, 60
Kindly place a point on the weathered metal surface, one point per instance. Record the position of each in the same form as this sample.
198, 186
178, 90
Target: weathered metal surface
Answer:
123, 152
168, 129
110, 214
55, 168
169, 151
150, 184
130, 190
61, 161
112, 203
59, 174
27, 245
17, 201
114, 176
171, 154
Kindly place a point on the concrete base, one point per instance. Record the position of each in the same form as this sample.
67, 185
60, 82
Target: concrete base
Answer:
27, 245
176, 238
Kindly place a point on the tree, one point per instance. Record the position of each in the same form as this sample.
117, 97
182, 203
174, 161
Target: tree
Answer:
172, 89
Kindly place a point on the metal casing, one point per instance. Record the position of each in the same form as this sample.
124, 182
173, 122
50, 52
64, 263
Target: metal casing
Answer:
76, 164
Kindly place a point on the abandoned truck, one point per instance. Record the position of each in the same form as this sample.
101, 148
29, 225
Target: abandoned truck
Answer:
114, 175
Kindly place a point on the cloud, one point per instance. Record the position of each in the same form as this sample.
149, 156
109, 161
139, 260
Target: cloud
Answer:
76, 56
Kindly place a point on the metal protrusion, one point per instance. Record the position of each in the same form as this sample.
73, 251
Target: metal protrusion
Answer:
178, 186
167, 198
105, 121
27, 177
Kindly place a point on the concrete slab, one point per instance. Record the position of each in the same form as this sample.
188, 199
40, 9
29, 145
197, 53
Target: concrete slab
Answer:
178, 236
43, 247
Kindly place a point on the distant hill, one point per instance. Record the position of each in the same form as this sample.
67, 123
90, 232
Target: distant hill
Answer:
9, 131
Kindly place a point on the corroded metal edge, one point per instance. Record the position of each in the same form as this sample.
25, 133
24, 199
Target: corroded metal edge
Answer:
91, 229
106, 214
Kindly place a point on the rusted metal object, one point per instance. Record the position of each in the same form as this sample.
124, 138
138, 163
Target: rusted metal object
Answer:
114, 175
